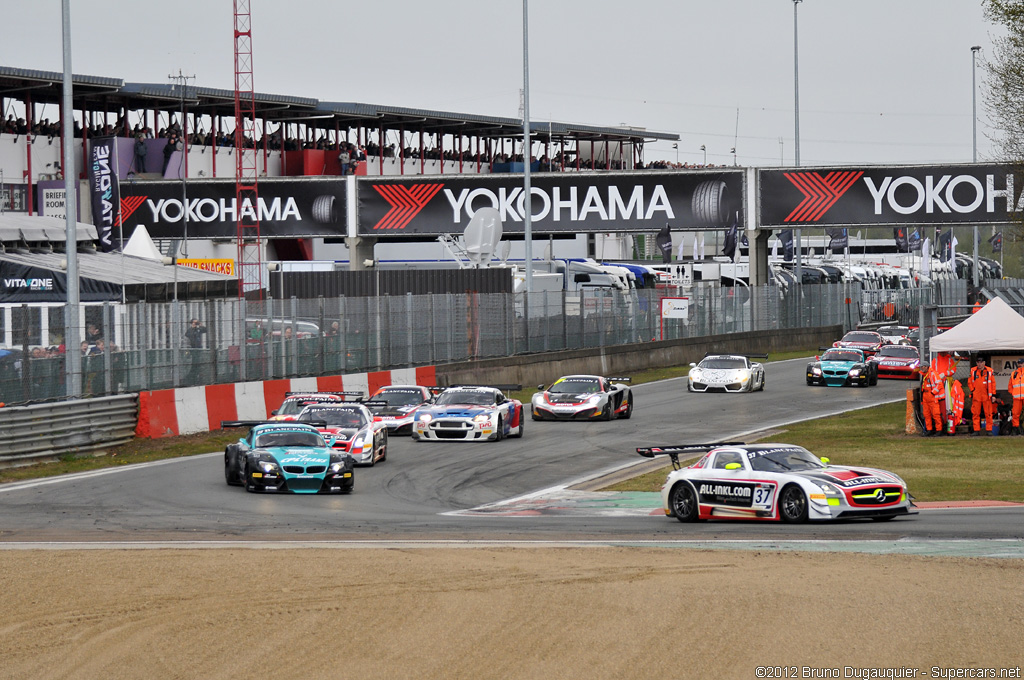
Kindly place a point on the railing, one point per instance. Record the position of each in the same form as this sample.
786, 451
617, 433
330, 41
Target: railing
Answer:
246, 341
40, 431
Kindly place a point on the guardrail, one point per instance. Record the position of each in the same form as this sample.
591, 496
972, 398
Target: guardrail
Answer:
42, 431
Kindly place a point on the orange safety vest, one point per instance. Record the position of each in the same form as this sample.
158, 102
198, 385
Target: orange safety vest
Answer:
982, 381
944, 364
1017, 384
934, 385
956, 394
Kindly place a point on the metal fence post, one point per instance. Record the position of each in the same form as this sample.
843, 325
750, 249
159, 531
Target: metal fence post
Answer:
408, 328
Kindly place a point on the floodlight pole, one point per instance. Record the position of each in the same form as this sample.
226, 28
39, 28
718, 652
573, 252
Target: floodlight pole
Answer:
72, 353
974, 128
527, 207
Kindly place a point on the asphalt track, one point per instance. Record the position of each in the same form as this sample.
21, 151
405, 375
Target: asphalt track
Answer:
524, 491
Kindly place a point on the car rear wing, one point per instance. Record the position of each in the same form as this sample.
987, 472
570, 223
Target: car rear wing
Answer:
374, 403
757, 356
225, 424
503, 388
618, 379
340, 394
673, 450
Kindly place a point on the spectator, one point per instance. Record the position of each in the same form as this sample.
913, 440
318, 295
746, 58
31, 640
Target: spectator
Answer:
344, 158
194, 338
140, 154
92, 334
172, 145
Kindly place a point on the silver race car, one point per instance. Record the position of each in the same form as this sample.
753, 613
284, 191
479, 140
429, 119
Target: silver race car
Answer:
777, 482
726, 373
583, 397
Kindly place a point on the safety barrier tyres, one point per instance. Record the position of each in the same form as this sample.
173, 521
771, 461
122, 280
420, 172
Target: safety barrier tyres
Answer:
46, 431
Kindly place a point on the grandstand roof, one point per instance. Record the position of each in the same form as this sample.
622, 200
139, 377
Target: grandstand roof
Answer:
111, 94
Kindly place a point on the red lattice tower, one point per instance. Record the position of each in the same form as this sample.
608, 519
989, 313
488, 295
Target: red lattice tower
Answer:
250, 265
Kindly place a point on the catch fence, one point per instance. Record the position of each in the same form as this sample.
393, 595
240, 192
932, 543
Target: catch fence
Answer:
150, 346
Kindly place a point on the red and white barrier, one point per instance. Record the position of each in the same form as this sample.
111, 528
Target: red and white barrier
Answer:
188, 410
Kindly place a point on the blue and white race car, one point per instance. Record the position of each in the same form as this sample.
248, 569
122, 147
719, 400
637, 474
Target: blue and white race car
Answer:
842, 366
286, 457
470, 413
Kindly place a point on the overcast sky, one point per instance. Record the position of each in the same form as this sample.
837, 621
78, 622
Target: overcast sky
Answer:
881, 81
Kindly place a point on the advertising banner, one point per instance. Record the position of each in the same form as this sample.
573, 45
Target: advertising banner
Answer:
560, 203
24, 283
297, 208
103, 189
889, 195
211, 265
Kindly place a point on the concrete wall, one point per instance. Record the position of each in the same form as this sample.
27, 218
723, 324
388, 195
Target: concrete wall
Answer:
533, 369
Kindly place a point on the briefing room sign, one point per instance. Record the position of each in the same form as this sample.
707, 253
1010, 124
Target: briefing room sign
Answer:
889, 195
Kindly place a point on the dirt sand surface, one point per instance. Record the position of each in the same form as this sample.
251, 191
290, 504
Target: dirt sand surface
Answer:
501, 613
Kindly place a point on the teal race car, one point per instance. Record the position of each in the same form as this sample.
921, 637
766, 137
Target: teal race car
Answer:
286, 457
839, 367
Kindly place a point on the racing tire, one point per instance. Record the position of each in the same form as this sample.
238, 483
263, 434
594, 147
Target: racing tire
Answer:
628, 413
499, 432
519, 430
323, 210
230, 476
682, 500
874, 379
607, 414
810, 383
709, 204
764, 379
793, 504
689, 387
249, 486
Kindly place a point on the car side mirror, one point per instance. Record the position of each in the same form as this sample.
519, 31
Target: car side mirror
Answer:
693, 365
817, 358
540, 387
825, 461
274, 412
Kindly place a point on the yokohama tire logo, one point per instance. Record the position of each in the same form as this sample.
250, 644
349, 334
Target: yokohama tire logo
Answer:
406, 203
129, 204
820, 193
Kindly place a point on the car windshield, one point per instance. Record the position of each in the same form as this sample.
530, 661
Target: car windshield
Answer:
860, 337
399, 397
471, 397
575, 386
901, 351
347, 418
842, 356
784, 460
282, 439
723, 362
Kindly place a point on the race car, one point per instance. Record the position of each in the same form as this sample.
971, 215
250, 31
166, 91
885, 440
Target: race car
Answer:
840, 367
868, 342
897, 361
727, 373
286, 457
583, 397
775, 482
396, 405
470, 413
894, 335
350, 428
294, 402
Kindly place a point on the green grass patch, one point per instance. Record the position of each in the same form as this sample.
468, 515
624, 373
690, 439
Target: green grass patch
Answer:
936, 468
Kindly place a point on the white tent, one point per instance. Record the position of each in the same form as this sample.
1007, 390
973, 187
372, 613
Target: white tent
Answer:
994, 327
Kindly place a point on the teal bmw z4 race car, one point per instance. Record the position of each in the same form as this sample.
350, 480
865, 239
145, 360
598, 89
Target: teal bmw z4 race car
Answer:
841, 366
286, 457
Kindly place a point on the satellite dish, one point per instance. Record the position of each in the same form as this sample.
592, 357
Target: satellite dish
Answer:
482, 235
506, 248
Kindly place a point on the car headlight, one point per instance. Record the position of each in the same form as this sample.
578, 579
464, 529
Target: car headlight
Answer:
337, 467
854, 372
816, 370
268, 466
357, 443
425, 417
594, 401
482, 418
695, 374
744, 377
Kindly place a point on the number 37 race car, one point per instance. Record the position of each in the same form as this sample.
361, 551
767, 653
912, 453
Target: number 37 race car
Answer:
779, 482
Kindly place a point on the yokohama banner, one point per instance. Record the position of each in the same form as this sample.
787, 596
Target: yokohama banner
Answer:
561, 203
103, 188
889, 195
286, 208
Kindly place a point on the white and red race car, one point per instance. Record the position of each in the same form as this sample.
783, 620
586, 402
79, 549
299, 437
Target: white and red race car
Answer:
583, 397
396, 405
294, 402
898, 361
868, 342
779, 482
